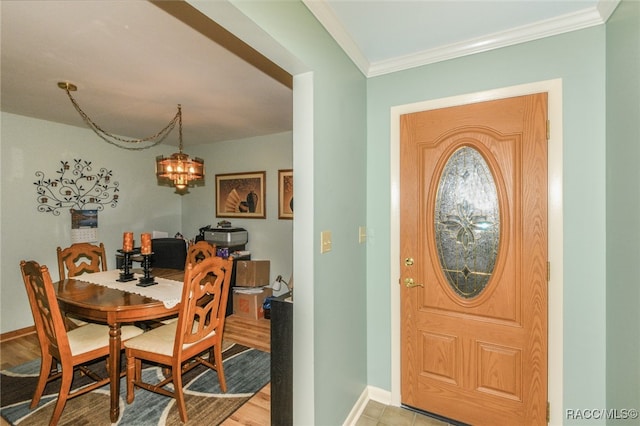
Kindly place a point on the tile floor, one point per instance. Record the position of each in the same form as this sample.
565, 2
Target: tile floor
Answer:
377, 414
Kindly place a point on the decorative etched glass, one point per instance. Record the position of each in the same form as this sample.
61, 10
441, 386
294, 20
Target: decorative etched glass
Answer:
467, 222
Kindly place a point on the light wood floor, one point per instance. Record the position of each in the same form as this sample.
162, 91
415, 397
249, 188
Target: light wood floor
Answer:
252, 333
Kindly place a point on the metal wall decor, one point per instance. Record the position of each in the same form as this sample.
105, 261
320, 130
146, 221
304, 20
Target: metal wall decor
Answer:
75, 187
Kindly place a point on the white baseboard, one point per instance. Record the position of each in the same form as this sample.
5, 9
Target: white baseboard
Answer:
370, 393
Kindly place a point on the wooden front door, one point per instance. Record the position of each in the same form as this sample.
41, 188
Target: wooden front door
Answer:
473, 247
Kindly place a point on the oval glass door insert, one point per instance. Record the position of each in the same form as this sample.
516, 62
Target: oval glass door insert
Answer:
467, 222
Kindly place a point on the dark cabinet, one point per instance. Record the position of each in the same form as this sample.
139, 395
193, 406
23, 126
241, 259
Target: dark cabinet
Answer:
233, 277
281, 361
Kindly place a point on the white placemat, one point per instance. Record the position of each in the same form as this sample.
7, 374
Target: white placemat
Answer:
167, 291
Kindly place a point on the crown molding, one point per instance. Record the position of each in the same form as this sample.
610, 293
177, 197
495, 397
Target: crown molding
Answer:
323, 13
535, 31
606, 8
566, 23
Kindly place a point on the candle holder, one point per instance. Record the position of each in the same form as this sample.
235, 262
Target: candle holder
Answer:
126, 274
147, 279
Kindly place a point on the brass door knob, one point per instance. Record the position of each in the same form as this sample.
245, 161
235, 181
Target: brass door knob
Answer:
410, 283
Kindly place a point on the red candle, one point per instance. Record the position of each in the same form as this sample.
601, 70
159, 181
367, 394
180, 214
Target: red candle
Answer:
145, 243
127, 242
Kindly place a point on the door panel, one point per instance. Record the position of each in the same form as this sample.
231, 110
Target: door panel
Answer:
473, 188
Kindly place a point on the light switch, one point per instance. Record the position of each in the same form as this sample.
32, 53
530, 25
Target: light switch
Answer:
325, 241
362, 234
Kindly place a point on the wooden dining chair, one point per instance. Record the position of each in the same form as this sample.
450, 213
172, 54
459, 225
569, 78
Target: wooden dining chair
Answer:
181, 345
200, 251
81, 258
78, 259
195, 253
71, 349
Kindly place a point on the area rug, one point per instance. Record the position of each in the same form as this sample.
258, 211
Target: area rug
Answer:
246, 370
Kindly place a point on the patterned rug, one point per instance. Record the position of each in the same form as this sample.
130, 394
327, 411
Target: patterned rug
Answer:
246, 370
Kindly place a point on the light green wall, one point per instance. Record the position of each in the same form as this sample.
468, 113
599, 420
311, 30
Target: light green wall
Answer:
269, 238
29, 145
583, 78
623, 209
336, 333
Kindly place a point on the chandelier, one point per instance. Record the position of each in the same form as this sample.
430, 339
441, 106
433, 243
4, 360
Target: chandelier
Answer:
178, 170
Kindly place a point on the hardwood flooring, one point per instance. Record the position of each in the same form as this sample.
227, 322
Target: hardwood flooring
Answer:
19, 350
255, 334
252, 333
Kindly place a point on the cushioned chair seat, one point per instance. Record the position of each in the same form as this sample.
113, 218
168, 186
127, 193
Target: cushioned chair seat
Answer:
160, 340
94, 336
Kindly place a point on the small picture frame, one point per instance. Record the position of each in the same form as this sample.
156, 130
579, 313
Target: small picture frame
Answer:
285, 194
241, 195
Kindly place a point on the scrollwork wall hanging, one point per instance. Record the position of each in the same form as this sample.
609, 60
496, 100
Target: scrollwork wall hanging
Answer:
76, 187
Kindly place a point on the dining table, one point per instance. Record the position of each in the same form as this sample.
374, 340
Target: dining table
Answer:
101, 297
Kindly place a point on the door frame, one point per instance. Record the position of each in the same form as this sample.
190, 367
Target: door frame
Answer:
555, 227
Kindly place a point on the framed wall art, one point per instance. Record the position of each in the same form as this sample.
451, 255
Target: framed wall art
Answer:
241, 195
285, 194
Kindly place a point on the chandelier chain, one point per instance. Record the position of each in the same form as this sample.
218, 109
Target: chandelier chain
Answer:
178, 170
104, 135
179, 115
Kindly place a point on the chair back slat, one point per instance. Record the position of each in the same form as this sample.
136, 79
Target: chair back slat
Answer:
204, 300
81, 258
199, 251
45, 309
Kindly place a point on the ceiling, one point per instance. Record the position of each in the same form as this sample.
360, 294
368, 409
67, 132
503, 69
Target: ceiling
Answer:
134, 61
386, 36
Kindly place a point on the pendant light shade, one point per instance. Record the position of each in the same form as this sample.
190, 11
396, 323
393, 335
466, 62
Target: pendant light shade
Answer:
181, 170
